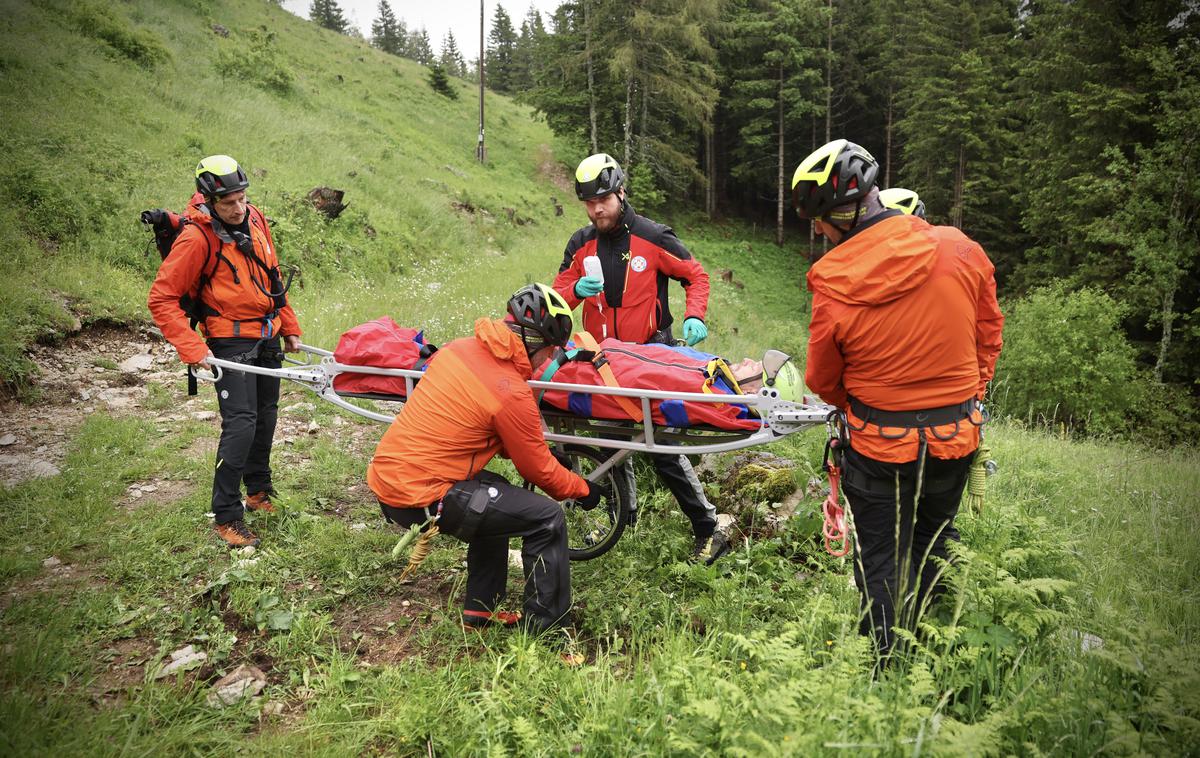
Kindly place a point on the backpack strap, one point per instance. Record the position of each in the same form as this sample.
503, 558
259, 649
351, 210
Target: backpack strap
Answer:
600, 362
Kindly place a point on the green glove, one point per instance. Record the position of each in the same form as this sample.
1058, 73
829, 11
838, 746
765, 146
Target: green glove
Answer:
694, 330
588, 286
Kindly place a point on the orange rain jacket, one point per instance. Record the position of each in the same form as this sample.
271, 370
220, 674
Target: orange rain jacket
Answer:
241, 305
471, 404
904, 318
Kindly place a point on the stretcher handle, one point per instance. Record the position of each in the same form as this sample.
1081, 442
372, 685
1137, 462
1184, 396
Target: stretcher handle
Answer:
201, 375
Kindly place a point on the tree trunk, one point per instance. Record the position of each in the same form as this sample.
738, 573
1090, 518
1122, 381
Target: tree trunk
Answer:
1168, 321
779, 160
629, 123
587, 52
956, 211
643, 131
887, 154
711, 166
829, 74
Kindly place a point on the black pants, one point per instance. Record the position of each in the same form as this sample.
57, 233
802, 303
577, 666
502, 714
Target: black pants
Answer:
508, 512
249, 408
896, 546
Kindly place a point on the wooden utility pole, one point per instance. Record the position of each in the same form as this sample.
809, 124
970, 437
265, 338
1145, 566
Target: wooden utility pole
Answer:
480, 148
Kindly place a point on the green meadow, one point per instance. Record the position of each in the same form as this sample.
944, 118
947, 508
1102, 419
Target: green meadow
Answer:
1071, 626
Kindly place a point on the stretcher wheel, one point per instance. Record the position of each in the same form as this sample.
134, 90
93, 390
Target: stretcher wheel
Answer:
593, 533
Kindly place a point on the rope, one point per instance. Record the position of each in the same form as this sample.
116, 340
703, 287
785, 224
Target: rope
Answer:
420, 551
977, 479
834, 527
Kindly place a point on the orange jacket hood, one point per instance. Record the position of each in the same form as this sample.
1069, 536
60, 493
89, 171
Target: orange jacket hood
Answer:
870, 269
194, 213
501, 342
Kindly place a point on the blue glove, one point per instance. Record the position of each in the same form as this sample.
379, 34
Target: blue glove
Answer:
588, 286
694, 330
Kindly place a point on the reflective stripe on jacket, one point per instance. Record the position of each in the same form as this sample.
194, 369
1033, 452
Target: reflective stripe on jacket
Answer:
240, 303
639, 258
472, 404
904, 317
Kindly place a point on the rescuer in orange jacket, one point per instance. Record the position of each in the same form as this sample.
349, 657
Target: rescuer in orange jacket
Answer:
472, 404
224, 258
904, 338
619, 266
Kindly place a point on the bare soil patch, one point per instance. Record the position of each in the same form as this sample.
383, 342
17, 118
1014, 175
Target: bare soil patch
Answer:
385, 631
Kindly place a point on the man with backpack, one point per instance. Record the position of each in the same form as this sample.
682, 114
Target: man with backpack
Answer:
472, 404
222, 274
904, 338
619, 266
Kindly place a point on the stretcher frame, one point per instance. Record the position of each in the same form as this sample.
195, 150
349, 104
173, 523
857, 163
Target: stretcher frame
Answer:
779, 417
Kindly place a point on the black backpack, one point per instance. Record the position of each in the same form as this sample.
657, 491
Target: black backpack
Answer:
166, 227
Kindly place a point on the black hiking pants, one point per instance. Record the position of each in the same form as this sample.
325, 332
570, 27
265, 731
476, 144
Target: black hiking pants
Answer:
249, 406
898, 541
485, 512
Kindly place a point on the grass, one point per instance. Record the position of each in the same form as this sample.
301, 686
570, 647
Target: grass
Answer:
758, 655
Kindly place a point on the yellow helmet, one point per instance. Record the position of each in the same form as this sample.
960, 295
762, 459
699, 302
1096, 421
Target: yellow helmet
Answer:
219, 175
598, 175
903, 200
540, 309
789, 383
837, 173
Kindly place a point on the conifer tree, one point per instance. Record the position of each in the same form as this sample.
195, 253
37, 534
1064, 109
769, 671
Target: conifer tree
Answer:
502, 42
772, 53
440, 82
451, 59
388, 33
328, 14
419, 48
526, 58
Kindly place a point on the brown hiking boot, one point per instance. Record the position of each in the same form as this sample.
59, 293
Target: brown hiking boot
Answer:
236, 534
260, 501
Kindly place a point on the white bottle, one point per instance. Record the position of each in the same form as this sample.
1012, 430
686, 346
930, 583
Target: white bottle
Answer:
591, 267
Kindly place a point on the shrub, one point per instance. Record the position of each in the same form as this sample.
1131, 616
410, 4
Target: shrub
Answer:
253, 58
138, 45
1065, 359
440, 82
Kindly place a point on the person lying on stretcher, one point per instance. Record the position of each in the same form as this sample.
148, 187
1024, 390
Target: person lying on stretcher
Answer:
661, 367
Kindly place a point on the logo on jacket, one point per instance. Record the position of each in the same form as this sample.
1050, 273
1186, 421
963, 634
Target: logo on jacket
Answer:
638, 264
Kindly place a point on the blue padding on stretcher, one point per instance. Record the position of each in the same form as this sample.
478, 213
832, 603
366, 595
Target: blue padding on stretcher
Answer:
721, 385
675, 413
579, 403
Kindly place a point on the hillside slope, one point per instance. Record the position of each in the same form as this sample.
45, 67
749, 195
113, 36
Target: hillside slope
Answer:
110, 105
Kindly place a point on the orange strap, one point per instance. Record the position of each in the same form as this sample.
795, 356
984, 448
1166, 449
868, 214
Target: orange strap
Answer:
606, 373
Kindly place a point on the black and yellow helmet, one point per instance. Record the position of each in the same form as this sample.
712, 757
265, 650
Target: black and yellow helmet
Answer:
219, 175
903, 200
835, 174
539, 309
598, 175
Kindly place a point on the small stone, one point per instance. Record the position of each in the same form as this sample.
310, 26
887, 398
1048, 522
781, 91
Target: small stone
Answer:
204, 415
312, 427
187, 659
136, 363
404, 603
8, 439
271, 708
245, 680
183, 652
51, 562
43, 469
360, 526
248, 550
